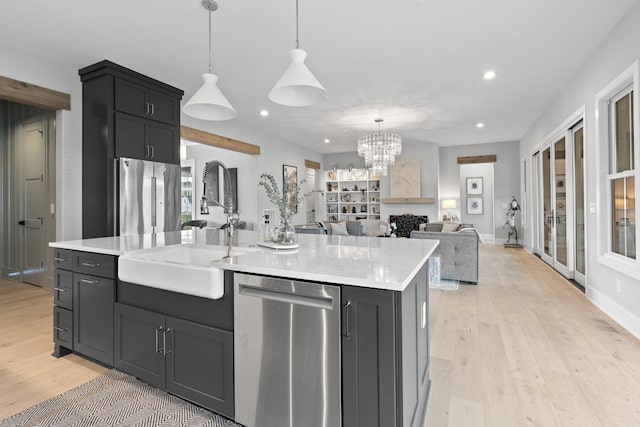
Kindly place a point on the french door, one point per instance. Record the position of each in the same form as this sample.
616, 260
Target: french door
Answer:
554, 205
561, 204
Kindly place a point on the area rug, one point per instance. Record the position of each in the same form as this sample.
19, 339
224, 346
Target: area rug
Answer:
447, 285
116, 399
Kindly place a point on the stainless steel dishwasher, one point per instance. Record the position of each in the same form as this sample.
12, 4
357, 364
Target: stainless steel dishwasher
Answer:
287, 353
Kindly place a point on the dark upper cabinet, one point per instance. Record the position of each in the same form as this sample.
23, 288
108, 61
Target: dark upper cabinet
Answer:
143, 101
139, 138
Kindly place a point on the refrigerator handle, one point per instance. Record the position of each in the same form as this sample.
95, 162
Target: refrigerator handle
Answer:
154, 208
116, 200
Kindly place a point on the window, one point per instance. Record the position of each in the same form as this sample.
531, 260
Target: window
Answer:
621, 175
617, 122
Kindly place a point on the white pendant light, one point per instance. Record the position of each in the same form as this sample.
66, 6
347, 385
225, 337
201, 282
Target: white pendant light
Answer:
209, 103
297, 87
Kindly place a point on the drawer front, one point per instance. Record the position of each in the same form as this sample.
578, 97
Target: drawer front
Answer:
63, 289
63, 258
94, 264
63, 327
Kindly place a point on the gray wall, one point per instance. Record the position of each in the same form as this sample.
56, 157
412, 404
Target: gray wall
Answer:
614, 56
426, 152
506, 178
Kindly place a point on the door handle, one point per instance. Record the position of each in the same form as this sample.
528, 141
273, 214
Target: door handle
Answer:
164, 341
158, 330
23, 222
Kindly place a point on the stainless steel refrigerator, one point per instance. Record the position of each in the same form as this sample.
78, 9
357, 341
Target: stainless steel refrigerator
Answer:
149, 196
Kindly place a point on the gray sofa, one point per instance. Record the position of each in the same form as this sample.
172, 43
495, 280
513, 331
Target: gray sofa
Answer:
459, 253
354, 228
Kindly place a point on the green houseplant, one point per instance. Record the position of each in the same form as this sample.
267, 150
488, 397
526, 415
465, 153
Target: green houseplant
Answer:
287, 202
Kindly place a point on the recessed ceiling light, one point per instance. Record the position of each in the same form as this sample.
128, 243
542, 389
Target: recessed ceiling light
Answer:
326, 141
264, 113
480, 125
489, 75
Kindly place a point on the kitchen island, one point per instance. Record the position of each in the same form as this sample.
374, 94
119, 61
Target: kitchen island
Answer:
378, 334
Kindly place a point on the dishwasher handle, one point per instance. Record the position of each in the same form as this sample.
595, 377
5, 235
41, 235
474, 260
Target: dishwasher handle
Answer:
323, 303
347, 321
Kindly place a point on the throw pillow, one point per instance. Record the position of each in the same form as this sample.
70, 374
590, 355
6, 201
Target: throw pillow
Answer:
450, 227
339, 228
433, 227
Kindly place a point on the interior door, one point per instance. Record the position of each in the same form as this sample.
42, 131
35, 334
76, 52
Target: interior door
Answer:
34, 198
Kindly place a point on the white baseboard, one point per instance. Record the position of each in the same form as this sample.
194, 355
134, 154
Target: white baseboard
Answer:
488, 238
621, 315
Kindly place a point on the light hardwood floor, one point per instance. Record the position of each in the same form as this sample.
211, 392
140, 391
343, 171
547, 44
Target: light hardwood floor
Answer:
523, 348
28, 372
526, 348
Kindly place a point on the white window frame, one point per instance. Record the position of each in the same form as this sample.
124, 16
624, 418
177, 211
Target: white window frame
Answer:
603, 101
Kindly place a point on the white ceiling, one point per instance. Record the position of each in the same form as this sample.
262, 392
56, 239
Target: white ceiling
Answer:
416, 63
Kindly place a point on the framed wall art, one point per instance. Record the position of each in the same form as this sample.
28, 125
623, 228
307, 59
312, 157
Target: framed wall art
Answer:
474, 205
474, 185
290, 175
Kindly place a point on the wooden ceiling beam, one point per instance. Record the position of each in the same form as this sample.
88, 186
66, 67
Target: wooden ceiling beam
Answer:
311, 164
196, 135
37, 96
489, 158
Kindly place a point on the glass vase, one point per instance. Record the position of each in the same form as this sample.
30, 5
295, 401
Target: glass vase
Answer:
285, 233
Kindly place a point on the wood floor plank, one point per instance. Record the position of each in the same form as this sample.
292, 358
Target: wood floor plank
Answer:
528, 350
28, 372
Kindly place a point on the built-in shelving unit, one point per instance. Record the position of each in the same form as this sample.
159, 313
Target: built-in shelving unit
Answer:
351, 195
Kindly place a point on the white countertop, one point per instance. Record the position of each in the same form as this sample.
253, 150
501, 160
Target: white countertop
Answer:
372, 262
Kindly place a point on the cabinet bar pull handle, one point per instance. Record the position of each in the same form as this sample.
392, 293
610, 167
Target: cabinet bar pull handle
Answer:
61, 289
147, 105
58, 328
347, 332
158, 349
164, 341
153, 108
90, 264
153, 151
59, 259
93, 282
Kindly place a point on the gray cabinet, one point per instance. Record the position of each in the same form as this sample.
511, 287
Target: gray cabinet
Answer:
84, 294
368, 357
385, 356
192, 360
139, 347
62, 302
140, 138
142, 100
200, 364
124, 114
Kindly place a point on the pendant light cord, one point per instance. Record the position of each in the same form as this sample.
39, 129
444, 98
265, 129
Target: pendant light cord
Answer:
297, 38
210, 42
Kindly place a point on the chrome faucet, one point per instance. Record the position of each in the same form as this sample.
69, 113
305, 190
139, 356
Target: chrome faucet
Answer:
233, 219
